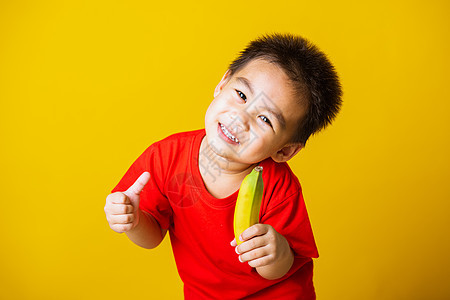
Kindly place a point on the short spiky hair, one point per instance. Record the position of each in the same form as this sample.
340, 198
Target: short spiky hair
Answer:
311, 73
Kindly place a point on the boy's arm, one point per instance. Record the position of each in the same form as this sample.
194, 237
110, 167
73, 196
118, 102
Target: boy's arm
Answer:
124, 215
147, 233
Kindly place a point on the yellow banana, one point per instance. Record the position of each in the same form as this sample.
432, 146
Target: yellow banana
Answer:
248, 202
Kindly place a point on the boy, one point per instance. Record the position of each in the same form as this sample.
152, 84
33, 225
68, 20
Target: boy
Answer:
279, 91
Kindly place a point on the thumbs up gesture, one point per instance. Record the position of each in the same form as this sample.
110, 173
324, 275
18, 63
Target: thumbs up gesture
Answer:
122, 208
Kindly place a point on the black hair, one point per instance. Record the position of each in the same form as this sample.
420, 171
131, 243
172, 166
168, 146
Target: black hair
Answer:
312, 76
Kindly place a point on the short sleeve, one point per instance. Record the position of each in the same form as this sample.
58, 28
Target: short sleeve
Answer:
290, 218
153, 200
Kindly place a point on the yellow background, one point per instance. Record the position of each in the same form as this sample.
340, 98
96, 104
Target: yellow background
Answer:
86, 86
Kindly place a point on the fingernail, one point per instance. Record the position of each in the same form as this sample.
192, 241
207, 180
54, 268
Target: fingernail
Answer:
236, 249
240, 259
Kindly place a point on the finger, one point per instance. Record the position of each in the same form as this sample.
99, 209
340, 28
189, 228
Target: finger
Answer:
139, 184
251, 244
120, 228
252, 255
252, 231
262, 261
120, 209
233, 243
118, 198
122, 219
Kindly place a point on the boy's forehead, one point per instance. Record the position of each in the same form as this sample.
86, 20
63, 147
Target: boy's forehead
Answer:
261, 76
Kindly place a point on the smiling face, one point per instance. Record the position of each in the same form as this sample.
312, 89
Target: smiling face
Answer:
254, 115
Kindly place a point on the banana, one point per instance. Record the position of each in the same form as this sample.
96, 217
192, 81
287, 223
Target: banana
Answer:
248, 202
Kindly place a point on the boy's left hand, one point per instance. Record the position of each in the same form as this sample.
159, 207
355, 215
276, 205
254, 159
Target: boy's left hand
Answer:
262, 245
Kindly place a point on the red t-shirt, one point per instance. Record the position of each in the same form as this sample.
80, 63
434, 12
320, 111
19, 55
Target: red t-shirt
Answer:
201, 226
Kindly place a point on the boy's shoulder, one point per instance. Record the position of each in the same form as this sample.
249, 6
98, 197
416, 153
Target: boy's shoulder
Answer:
283, 193
179, 139
279, 176
175, 146
173, 150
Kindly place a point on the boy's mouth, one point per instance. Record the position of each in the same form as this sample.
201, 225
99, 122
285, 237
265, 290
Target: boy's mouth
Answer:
230, 137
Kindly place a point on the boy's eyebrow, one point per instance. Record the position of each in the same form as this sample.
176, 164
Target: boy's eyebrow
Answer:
279, 117
246, 82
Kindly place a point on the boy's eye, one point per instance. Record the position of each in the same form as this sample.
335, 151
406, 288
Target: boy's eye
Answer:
265, 119
241, 95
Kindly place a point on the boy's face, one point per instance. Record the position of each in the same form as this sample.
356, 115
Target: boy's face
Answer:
254, 115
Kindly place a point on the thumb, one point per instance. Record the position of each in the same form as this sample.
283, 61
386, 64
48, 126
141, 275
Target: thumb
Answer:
138, 185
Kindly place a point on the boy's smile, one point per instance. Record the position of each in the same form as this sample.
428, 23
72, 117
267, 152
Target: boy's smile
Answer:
227, 135
253, 116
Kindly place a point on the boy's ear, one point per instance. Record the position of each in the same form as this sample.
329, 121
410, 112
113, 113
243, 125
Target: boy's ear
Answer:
221, 84
287, 152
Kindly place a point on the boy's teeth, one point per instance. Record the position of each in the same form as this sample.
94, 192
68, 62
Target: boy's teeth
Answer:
228, 134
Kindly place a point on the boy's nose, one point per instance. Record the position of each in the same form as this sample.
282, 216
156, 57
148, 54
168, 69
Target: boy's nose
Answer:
239, 121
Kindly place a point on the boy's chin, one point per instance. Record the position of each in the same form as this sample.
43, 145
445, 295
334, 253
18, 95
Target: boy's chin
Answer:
220, 148
228, 153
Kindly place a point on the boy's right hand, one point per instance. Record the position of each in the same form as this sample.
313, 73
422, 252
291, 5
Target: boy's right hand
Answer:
122, 208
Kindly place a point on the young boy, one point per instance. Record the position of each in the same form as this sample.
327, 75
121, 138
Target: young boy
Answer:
279, 91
